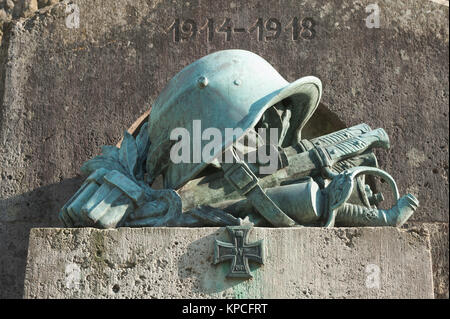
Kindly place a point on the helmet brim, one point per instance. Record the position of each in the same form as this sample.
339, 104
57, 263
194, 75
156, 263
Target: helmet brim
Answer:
304, 95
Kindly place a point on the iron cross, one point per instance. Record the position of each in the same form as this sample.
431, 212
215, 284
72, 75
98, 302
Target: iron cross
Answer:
239, 251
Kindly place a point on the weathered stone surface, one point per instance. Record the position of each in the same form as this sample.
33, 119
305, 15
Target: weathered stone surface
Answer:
65, 91
439, 253
177, 263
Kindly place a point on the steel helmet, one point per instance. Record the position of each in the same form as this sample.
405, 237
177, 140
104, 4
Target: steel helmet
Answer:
225, 89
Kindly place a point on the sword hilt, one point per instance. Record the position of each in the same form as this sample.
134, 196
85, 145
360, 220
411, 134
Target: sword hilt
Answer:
330, 155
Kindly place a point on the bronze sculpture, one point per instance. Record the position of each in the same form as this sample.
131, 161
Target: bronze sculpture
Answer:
226, 181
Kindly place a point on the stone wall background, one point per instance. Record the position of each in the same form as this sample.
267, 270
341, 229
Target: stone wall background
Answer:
65, 92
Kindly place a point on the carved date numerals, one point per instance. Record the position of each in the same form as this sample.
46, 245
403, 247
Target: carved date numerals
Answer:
272, 26
264, 29
303, 29
185, 30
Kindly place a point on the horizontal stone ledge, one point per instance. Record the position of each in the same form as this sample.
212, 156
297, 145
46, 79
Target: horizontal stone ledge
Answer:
177, 263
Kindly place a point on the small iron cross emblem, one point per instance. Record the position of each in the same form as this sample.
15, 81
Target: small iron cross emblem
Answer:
239, 252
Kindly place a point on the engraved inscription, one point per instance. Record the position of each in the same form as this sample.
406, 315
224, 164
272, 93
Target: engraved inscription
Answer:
263, 29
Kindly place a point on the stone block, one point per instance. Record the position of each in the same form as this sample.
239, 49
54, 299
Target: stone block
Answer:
177, 263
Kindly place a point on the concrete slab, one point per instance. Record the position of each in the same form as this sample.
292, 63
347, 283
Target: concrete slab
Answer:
177, 263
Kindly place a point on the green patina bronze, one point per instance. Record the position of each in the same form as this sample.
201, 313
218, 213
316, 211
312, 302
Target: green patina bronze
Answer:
319, 182
239, 251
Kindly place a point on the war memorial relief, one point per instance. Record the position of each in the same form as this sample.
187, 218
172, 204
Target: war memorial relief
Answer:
178, 149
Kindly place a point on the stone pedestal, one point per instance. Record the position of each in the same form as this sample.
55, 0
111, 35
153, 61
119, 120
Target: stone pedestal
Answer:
177, 263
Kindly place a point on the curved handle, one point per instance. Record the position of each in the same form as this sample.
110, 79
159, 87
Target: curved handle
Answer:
343, 184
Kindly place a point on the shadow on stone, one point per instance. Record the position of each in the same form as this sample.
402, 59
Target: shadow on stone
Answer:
206, 277
323, 121
38, 208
